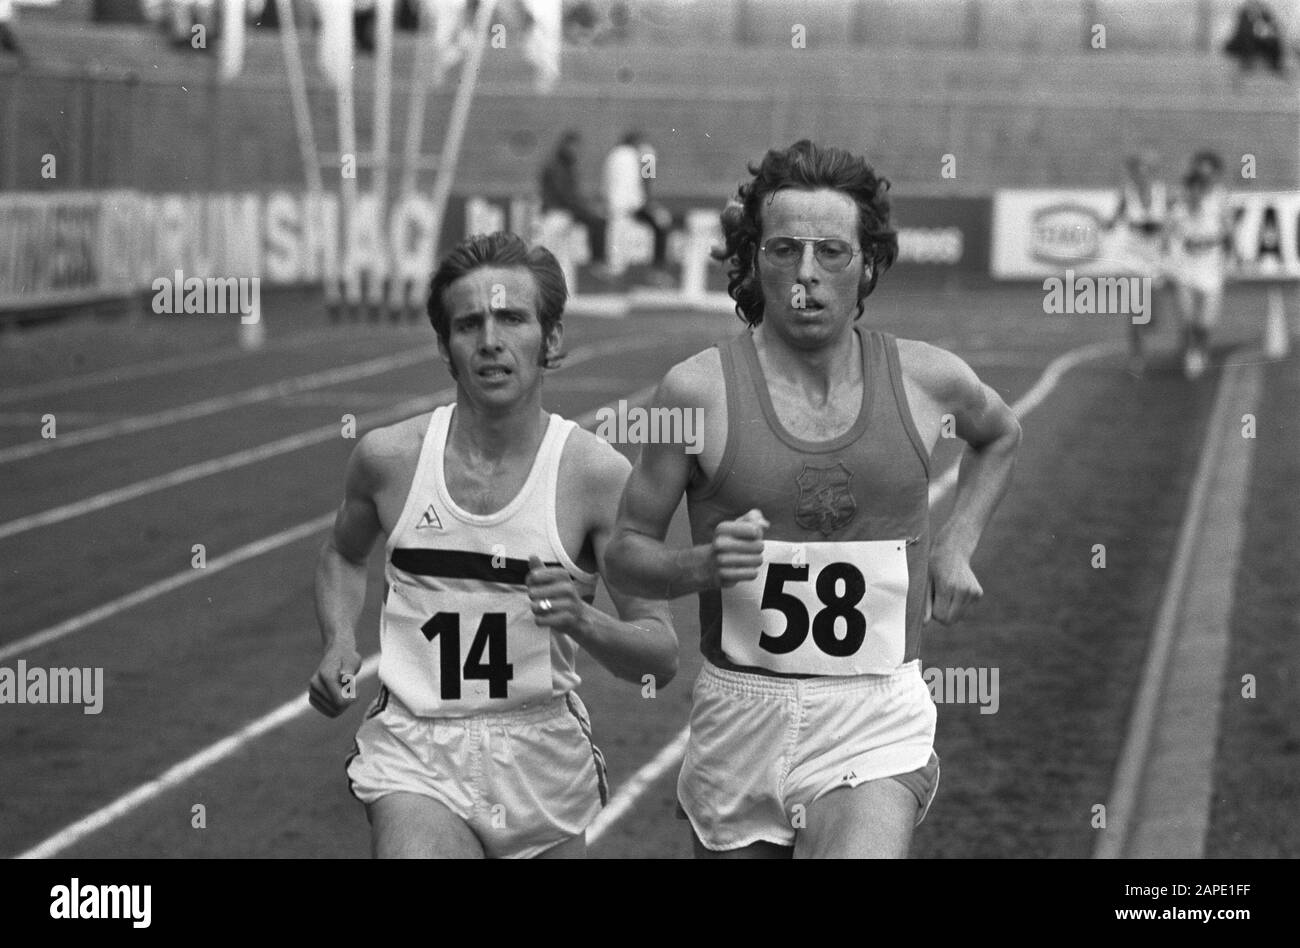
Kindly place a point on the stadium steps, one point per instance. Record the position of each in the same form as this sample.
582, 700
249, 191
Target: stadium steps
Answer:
953, 72
1030, 119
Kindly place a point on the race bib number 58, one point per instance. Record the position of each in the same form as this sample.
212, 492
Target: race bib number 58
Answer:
821, 609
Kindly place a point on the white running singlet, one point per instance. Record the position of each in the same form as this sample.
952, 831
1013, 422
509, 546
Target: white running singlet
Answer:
457, 635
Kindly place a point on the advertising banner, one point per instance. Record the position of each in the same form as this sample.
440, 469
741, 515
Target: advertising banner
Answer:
79, 247
1040, 233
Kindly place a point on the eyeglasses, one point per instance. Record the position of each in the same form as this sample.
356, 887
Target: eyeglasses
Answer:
831, 252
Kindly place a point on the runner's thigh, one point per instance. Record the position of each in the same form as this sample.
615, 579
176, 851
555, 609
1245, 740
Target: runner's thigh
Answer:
873, 820
412, 826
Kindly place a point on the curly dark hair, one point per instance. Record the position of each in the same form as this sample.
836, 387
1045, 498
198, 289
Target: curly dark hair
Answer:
807, 166
501, 249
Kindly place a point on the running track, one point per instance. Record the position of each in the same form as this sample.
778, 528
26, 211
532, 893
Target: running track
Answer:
243, 455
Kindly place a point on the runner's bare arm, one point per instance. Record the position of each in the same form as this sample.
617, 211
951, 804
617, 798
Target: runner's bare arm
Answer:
642, 640
992, 434
639, 561
341, 579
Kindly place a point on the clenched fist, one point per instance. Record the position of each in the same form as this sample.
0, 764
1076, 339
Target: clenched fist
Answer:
736, 554
555, 600
334, 686
953, 587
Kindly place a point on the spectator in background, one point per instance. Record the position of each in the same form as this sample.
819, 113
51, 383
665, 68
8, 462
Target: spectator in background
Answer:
561, 191
1140, 249
1209, 163
264, 14
629, 170
585, 24
364, 26
8, 41
1200, 231
1256, 37
580, 22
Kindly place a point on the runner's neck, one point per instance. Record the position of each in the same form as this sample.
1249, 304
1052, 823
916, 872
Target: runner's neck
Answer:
815, 371
480, 438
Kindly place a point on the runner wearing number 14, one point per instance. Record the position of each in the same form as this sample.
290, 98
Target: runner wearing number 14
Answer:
812, 730
497, 514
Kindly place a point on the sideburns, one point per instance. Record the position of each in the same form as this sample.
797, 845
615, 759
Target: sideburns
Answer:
544, 354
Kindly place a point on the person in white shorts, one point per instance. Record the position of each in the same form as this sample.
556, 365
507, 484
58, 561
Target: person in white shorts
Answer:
1200, 231
497, 515
1141, 244
812, 729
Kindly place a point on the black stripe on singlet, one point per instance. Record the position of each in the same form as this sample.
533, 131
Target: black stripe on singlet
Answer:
461, 564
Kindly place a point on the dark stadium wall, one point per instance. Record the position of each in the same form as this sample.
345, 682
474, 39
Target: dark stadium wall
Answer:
118, 11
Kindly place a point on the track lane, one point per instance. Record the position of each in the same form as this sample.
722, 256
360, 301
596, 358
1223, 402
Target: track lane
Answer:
190, 626
628, 733
300, 818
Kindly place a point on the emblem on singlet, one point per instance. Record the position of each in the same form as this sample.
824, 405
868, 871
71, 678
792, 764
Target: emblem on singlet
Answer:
825, 498
429, 520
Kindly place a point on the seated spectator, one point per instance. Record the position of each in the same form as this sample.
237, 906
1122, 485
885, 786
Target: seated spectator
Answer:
589, 24
1256, 37
561, 191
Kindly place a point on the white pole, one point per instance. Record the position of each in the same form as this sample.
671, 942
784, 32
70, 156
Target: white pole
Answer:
459, 118
1277, 334
381, 140
252, 331
298, 96
416, 104
1277, 331
383, 98
345, 102
233, 30
297, 75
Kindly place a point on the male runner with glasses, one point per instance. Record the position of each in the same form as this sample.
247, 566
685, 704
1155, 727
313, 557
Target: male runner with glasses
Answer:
812, 730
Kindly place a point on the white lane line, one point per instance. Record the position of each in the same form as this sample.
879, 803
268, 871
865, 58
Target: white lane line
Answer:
228, 462
218, 403
1122, 816
1172, 810
216, 565
671, 755
272, 449
177, 775
1004, 359
180, 363
214, 753
162, 586
586, 383
343, 398
1029, 401
35, 419
1057, 368
621, 803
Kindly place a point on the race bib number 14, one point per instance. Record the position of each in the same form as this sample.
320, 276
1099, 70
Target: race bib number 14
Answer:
485, 653
821, 609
